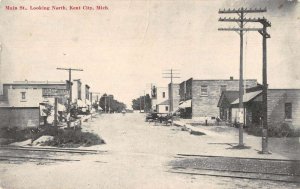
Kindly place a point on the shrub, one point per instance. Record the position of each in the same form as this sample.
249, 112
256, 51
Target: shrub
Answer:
62, 137
74, 138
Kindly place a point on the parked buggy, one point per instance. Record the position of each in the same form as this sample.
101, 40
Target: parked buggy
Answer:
151, 117
165, 119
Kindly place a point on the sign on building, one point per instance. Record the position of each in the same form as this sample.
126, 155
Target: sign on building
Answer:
55, 93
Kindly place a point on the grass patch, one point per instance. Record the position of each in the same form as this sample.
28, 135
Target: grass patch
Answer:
62, 137
278, 130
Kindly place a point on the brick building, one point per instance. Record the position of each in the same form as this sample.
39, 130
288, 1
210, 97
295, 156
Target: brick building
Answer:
203, 95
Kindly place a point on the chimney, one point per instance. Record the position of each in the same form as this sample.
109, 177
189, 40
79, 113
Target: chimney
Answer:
231, 78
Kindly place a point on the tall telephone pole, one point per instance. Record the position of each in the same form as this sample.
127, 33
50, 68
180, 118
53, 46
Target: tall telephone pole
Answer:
70, 88
171, 74
241, 21
265, 35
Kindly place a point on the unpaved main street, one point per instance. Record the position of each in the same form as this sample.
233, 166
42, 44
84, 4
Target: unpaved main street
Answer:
138, 156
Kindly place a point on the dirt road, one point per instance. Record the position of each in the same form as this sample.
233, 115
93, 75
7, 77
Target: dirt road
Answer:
138, 156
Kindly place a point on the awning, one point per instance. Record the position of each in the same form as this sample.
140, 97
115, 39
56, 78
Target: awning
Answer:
80, 104
247, 97
185, 104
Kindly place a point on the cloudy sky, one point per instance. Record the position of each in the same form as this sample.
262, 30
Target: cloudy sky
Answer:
124, 49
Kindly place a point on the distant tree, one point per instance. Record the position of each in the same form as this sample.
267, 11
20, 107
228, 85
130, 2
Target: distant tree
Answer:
109, 104
138, 103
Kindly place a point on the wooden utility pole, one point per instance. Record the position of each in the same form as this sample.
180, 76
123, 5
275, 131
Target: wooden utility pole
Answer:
140, 104
144, 102
97, 99
241, 20
171, 74
265, 35
105, 104
70, 89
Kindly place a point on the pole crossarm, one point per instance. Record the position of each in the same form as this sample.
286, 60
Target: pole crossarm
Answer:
242, 10
261, 20
265, 34
240, 29
73, 69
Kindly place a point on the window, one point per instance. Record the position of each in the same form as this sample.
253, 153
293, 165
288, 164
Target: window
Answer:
204, 90
288, 110
223, 88
23, 95
163, 94
167, 108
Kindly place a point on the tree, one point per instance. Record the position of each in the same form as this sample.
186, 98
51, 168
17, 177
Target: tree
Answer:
139, 104
109, 104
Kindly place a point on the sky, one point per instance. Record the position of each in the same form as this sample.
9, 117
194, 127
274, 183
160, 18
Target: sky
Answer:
126, 48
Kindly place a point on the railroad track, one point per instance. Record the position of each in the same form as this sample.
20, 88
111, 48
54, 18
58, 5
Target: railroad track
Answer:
260, 159
33, 159
278, 170
47, 149
42, 154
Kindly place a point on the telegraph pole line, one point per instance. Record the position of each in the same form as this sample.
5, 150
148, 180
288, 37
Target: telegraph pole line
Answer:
171, 74
241, 20
70, 89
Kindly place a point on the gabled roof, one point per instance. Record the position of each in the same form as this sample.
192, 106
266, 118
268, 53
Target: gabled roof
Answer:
248, 97
166, 102
228, 97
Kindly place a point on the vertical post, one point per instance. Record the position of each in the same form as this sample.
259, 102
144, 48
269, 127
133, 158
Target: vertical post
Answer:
171, 95
171, 91
70, 98
241, 91
108, 104
91, 108
264, 94
105, 104
144, 102
55, 112
140, 104
91, 97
